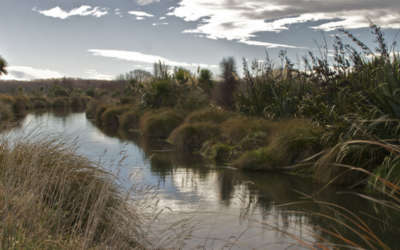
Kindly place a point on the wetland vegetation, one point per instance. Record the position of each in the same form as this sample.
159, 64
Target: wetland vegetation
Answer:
333, 122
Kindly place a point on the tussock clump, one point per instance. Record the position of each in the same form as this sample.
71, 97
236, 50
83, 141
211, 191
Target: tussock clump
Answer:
20, 105
6, 99
6, 113
33, 99
39, 104
160, 123
238, 128
266, 159
192, 136
218, 151
213, 115
111, 115
60, 102
130, 120
101, 109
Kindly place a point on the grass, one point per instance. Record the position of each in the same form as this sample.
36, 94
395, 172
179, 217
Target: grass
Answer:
160, 123
111, 115
60, 102
192, 136
55, 198
214, 115
6, 113
130, 120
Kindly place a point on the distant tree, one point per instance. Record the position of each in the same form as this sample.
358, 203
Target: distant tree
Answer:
206, 80
20, 90
228, 69
141, 75
90, 92
3, 66
41, 89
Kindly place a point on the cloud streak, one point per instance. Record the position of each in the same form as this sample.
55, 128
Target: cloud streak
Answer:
242, 20
28, 73
84, 10
139, 57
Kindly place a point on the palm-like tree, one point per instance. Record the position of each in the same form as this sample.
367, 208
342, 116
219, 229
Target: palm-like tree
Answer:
3, 66
206, 80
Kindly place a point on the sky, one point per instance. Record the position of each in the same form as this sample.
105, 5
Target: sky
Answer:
99, 39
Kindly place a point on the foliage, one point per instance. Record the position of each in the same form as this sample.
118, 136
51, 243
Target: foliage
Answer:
160, 123
3, 66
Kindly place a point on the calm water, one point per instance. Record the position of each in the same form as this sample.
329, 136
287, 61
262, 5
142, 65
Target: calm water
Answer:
224, 202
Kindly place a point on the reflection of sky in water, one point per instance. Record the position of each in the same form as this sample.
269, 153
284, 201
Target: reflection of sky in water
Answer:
221, 200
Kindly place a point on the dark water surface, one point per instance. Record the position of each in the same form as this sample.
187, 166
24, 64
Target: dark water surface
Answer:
225, 203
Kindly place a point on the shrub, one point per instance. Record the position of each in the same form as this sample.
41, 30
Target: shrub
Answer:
126, 100
192, 136
160, 123
218, 151
90, 92
20, 105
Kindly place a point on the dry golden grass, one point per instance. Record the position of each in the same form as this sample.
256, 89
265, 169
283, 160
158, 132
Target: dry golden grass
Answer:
54, 198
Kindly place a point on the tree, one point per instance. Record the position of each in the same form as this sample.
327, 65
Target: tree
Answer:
206, 80
3, 66
228, 69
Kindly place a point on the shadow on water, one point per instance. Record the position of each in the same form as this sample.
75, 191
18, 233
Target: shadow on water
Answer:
191, 177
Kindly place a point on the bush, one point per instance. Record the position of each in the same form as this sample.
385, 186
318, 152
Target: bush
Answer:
218, 151
192, 136
90, 92
126, 100
20, 105
160, 123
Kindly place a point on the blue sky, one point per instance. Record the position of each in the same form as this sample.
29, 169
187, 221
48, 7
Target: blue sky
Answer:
100, 39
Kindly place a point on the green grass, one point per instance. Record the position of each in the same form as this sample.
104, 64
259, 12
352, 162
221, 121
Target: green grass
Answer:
214, 115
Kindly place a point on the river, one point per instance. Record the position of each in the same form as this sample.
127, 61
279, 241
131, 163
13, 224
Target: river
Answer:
223, 203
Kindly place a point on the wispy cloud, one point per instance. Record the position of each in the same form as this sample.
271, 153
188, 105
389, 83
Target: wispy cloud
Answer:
84, 10
94, 74
140, 14
242, 20
145, 2
156, 24
163, 17
139, 57
29, 73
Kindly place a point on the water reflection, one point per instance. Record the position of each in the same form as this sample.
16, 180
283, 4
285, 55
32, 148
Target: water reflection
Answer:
225, 201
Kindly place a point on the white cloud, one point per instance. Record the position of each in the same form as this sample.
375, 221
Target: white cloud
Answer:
155, 24
145, 2
94, 74
29, 73
139, 18
139, 57
163, 17
140, 14
242, 20
84, 10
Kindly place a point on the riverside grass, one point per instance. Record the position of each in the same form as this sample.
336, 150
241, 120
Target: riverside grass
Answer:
54, 198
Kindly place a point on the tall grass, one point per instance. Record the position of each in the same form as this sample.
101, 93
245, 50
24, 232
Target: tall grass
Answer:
54, 198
